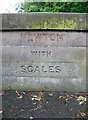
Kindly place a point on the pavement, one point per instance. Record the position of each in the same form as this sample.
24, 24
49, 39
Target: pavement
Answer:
43, 104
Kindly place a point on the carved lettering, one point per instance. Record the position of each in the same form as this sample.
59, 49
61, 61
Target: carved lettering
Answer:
33, 52
52, 37
41, 53
30, 69
38, 69
23, 68
49, 53
51, 68
43, 69
58, 69
59, 37
38, 37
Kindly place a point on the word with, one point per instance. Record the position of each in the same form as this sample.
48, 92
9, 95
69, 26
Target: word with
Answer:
41, 53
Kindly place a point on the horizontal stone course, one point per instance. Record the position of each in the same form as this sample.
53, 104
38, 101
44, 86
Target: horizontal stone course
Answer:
56, 70
46, 84
44, 38
66, 21
18, 54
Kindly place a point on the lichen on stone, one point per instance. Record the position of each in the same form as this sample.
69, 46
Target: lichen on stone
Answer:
54, 24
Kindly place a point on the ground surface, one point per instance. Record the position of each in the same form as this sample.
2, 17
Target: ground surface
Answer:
21, 104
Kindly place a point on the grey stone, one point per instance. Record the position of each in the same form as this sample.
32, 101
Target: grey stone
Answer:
62, 63
18, 54
0, 21
38, 69
29, 38
46, 84
73, 21
40, 59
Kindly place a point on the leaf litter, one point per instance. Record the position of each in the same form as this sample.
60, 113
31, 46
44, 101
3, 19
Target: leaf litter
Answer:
38, 98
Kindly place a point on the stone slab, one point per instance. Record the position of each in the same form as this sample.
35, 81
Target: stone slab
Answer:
51, 70
35, 58
0, 56
59, 69
44, 38
47, 20
46, 84
11, 54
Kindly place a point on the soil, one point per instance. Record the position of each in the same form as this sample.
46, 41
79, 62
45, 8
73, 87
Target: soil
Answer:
29, 104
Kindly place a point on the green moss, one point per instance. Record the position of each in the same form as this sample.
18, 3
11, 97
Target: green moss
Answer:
54, 24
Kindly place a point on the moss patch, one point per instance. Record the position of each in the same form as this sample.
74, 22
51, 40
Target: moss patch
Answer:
54, 24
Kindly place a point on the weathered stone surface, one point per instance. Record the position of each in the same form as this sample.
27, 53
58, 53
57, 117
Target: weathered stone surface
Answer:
0, 20
53, 64
44, 60
18, 54
44, 38
38, 69
46, 84
0, 58
66, 21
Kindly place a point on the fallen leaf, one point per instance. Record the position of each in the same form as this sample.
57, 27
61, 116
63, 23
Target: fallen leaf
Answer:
20, 97
80, 103
83, 114
77, 115
24, 93
34, 103
41, 93
22, 110
66, 99
71, 109
32, 99
31, 118
81, 98
50, 94
17, 93
34, 96
38, 99
85, 99
46, 101
60, 97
